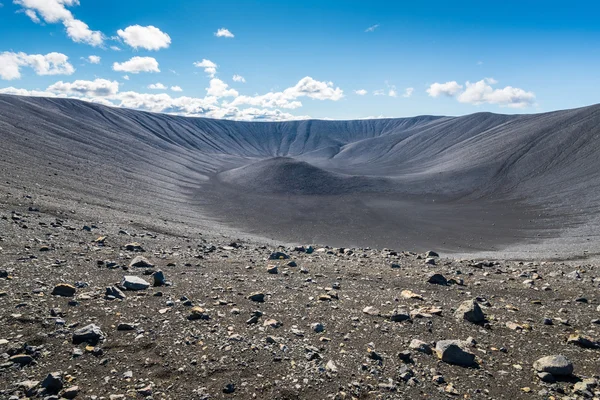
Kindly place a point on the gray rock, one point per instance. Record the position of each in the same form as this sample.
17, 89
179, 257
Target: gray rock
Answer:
70, 393
159, 278
131, 282
437, 279
318, 327
557, 365
431, 254
64, 289
470, 311
90, 334
124, 326
141, 262
430, 261
53, 382
454, 352
546, 377
399, 315
272, 269
21, 359
259, 297
420, 346
115, 292
277, 255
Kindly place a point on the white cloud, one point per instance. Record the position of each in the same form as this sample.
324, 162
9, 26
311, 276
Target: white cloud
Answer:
94, 59
209, 67
372, 28
55, 11
97, 87
49, 64
379, 92
447, 89
137, 64
239, 78
126, 77
157, 86
145, 37
306, 87
392, 92
115, 48
408, 92
360, 92
218, 88
176, 89
223, 32
482, 92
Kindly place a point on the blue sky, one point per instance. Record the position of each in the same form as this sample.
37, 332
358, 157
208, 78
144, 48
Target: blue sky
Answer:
309, 58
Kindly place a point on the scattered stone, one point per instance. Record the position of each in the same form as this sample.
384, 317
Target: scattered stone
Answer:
318, 327
430, 261
112, 292
258, 297
90, 334
134, 246
399, 315
131, 282
159, 278
229, 388
53, 382
330, 366
21, 359
277, 255
140, 262
409, 294
582, 341
437, 279
64, 289
273, 323
470, 311
370, 310
272, 269
454, 352
420, 346
197, 313
557, 365
431, 254
124, 326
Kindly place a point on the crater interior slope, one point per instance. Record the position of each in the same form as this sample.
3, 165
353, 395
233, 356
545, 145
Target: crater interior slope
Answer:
525, 185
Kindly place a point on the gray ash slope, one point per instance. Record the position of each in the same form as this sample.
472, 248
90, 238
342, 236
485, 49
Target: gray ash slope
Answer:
191, 169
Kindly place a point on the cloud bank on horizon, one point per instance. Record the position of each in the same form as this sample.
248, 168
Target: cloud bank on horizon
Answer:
120, 79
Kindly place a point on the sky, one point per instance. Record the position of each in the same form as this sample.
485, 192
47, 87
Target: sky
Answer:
280, 60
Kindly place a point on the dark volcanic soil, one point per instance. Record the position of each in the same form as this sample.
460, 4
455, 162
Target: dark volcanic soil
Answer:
281, 356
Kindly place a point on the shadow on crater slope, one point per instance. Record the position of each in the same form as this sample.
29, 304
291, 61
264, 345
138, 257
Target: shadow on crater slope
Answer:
479, 182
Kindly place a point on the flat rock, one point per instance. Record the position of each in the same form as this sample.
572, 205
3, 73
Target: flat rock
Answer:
131, 282
89, 334
64, 289
140, 262
556, 365
437, 279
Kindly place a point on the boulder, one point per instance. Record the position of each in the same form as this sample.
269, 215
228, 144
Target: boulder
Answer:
470, 311
454, 352
131, 282
556, 365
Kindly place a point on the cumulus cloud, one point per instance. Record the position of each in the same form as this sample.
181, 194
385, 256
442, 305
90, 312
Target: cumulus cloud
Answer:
218, 88
392, 92
482, 92
223, 32
306, 87
115, 48
157, 86
137, 64
49, 64
408, 92
126, 77
93, 59
176, 89
209, 67
145, 37
239, 78
372, 28
360, 92
97, 87
446, 89
55, 11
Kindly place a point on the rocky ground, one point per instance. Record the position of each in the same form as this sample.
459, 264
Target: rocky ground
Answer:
93, 309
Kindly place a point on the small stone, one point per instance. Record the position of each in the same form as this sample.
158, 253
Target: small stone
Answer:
131, 282
53, 382
90, 334
159, 278
439, 379
124, 326
229, 388
140, 262
546, 377
146, 391
405, 356
64, 289
430, 261
318, 327
21, 359
115, 292
258, 297
420, 346
399, 315
370, 310
437, 279
582, 341
470, 311
431, 254
273, 323
557, 365
330, 366
454, 352
277, 255
134, 246
272, 269
197, 313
